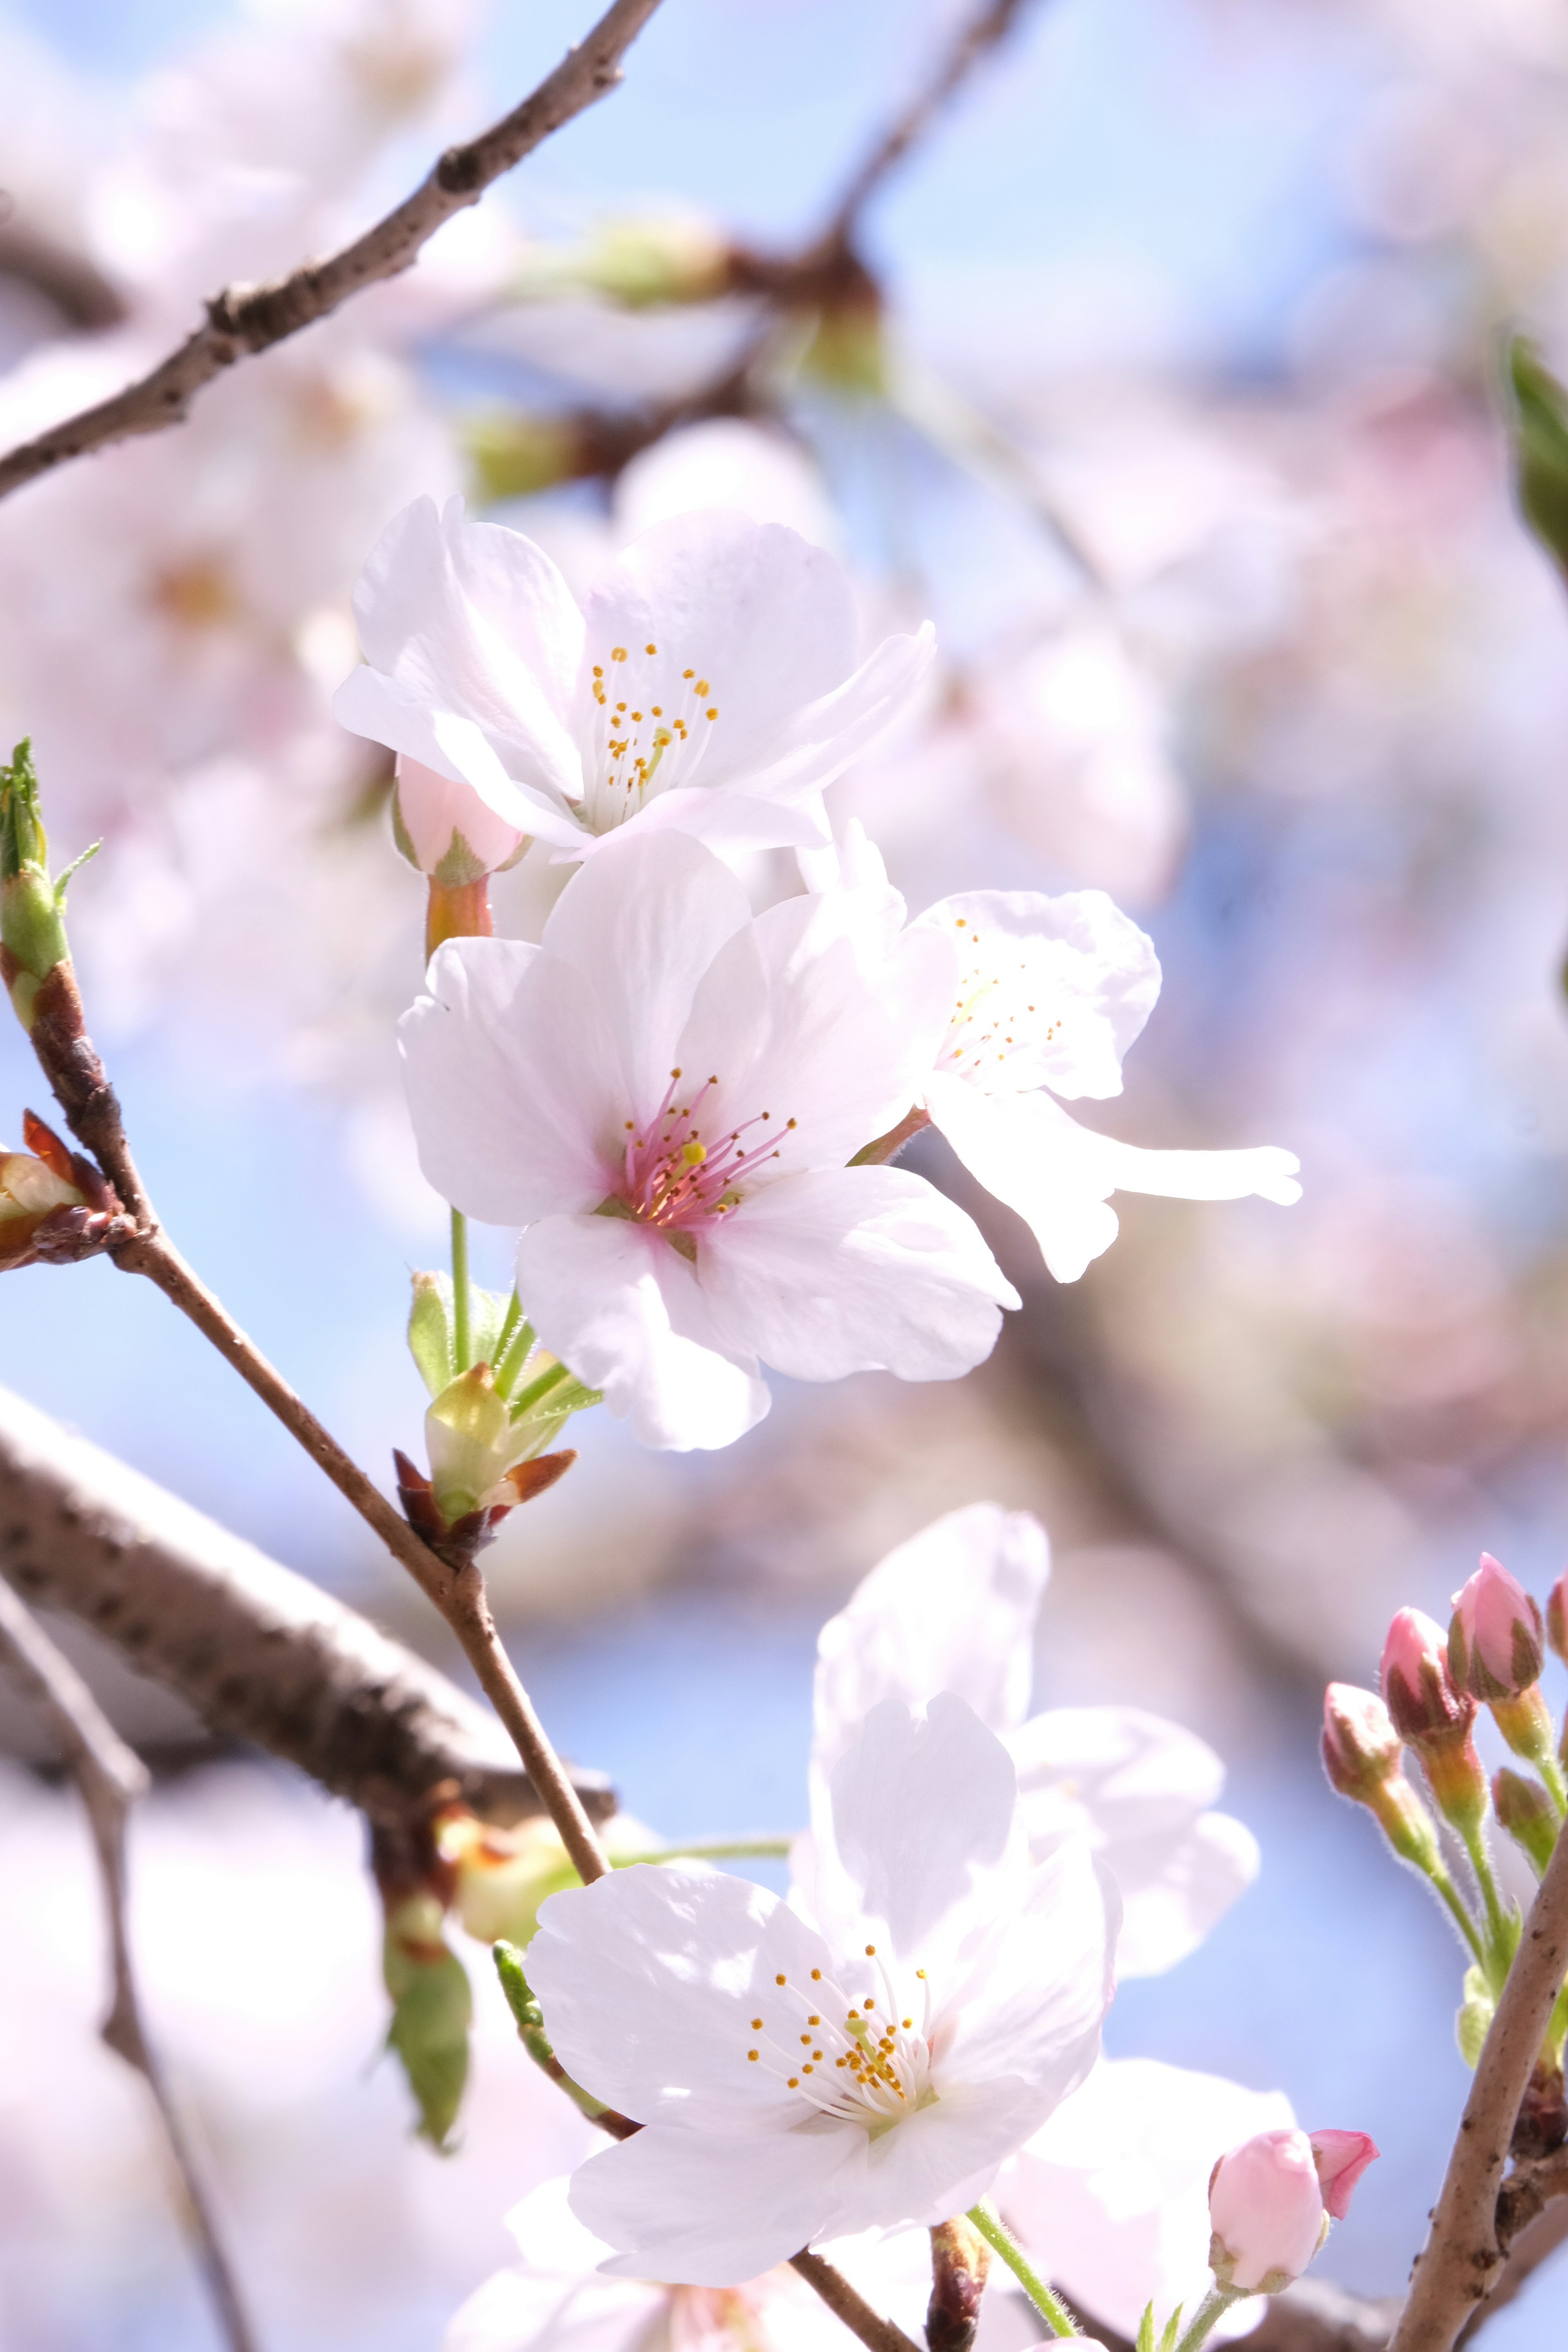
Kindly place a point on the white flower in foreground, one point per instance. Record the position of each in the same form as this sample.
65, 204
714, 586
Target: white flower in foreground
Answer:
710, 681
552, 2299
664, 1096
796, 2083
1051, 995
954, 1609
1111, 2196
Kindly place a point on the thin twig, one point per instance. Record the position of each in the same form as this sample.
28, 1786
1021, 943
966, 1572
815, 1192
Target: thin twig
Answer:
261, 1653
878, 2334
243, 321
978, 38
111, 1779
459, 1594
1462, 2256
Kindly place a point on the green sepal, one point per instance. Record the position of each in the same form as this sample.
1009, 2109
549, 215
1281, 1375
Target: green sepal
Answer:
529, 2020
433, 2007
1145, 2338
1172, 2329
430, 1323
1539, 433
1473, 2022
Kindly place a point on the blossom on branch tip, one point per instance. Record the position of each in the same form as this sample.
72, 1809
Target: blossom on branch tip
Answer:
954, 1609
797, 2083
1051, 993
664, 1095
709, 683
1271, 2200
1341, 2157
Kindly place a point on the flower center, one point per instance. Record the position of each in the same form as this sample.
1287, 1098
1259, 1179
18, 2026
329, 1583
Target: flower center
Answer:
652, 720
683, 1167
861, 2060
998, 1015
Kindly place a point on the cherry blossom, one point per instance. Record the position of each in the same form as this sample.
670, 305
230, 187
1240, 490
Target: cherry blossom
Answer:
1111, 2196
954, 1609
664, 1096
552, 2300
798, 2082
709, 682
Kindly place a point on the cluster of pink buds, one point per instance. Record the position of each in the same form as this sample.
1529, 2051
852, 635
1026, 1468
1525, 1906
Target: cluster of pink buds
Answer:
1434, 1686
1270, 2202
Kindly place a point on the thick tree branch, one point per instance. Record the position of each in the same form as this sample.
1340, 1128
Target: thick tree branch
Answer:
1457, 2266
259, 1654
243, 321
111, 1779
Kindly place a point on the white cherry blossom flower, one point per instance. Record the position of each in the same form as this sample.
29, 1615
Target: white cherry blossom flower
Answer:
664, 1094
552, 2299
798, 2082
709, 682
1051, 995
954, 1609
1111, 2196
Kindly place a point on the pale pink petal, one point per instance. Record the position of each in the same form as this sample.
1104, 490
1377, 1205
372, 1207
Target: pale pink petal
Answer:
439, 816
716, 2210
1038, 1983
1031, 1156
509, 1071
857, 1269
1052, 991
618, 1304
953, 1608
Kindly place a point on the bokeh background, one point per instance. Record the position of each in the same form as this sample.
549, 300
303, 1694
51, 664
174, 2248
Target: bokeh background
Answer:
1171, 394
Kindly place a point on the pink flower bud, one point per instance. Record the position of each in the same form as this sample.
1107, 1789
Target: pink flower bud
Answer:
1557, 1617
447, 831
1341, 2157
1418, 1686
1361, 1746
1266, 2211
1496, 1643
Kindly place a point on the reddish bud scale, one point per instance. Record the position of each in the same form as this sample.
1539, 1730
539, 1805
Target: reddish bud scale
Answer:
1434, 1717
1557, 1617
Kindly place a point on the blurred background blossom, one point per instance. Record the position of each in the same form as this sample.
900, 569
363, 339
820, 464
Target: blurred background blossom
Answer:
1169, 387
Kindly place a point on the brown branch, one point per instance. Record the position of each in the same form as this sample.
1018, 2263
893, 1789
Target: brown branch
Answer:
259, 1652
1462, 2256
67, 280
243, 321
981, 36
111, 1779
844, 2303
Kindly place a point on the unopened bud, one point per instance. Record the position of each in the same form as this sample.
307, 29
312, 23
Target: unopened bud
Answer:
1341, 2157
960, 2264
1361, 1757
1496, 1642
1527, 1814
1434, 1717
1267, 2214
502, 1876
34, 1185
32, 926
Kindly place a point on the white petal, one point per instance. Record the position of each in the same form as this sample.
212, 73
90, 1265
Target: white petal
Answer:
1038, 1984
614, 1301
731, 821
1052, 991
549, 2239
513, 2311
916, 1807
1138, 1786
1111, 2196
511, 1079
714, 2210
649, 1979
943, 2159
1026, 1151
371, 705
642, 921
953, 1610
1266, 1169
857, 1269
817, 746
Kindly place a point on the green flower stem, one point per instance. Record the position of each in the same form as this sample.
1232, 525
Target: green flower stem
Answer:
461, 1321
1051, 2308
509, 1322
546, 1381
511, 1357
769, 1847
1499, 1951
1215, 2304
1462, 1920
1550, 1772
